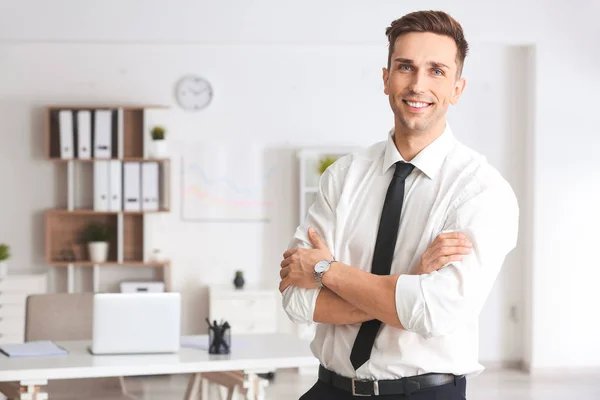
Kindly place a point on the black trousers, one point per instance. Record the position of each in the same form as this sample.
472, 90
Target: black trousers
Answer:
322, 391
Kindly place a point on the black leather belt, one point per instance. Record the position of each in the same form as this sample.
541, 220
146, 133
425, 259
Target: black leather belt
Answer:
406, 385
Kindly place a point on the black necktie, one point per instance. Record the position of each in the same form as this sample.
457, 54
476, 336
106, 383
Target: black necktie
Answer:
382, 257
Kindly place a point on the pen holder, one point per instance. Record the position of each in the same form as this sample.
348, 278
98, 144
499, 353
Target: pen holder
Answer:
219, 340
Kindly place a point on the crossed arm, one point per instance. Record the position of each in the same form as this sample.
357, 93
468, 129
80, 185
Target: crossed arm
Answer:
352, 295
332, 309
444, 290
380, 305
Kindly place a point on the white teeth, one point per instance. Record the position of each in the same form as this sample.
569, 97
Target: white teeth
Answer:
417, 105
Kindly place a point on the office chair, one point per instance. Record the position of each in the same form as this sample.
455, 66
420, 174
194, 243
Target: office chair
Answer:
61, 317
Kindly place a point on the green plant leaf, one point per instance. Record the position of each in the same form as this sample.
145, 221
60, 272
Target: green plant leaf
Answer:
4, 252
325, 163
95, 232
158, 132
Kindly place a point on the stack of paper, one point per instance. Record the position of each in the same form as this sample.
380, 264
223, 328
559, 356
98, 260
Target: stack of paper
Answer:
42, 348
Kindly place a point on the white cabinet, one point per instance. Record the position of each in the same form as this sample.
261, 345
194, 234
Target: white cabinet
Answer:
14, 290
249, 310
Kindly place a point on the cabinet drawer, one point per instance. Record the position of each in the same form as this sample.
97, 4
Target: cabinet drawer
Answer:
12, 311
11, 338
251, 327
12, 325
24, 283
13, 298
243, 309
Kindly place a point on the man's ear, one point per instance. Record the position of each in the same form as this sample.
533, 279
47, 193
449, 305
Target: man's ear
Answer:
459, 87
386, 85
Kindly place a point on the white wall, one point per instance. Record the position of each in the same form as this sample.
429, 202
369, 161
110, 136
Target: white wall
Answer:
494, 118
65, 51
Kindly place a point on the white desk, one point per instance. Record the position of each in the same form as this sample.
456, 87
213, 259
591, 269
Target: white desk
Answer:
248, 353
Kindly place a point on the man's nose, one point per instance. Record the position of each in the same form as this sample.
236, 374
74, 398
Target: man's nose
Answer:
417, 83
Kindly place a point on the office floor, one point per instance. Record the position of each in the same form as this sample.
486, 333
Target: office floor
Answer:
490, 385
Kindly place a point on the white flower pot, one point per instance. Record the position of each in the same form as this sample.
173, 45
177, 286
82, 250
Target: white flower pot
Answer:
158, 149
157, 255
3, 269
98, 251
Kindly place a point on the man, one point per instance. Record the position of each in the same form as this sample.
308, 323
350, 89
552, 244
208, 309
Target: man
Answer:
405, 239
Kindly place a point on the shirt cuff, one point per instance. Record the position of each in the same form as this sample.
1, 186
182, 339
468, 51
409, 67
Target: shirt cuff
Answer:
300, 303
409, 302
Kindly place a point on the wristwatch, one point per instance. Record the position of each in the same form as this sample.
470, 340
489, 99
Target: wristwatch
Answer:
320, 268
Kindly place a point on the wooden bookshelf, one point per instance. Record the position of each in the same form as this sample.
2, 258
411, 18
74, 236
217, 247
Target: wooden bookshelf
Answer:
128, 121
91, 160
133, 132
63, 235
127, 246
92, 212
133, 238
123, 264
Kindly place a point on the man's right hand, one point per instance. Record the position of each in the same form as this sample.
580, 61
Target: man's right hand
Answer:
447, 247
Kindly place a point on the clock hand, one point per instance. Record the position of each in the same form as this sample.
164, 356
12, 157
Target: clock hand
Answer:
199, 91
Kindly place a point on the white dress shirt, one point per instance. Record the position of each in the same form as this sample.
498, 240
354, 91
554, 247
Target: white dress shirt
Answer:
452, 188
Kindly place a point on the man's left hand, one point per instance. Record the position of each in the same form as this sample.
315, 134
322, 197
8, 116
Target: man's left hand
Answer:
298, 266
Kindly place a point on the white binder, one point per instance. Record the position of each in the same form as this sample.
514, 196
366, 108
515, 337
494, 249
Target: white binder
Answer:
131, 186
103, 134
65, 126
101, 185
115, 185
84, 134
150, 186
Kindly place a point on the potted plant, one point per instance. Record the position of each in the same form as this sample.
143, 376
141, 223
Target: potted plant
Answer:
158, 148
157, 255
96, 236
4, 255
325, 162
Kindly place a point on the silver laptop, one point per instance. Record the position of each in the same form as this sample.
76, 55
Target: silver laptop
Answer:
136, 323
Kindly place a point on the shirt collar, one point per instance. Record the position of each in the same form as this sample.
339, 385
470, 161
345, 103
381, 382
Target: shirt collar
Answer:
429, 160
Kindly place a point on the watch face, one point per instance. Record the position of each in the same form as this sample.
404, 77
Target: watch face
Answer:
322, 266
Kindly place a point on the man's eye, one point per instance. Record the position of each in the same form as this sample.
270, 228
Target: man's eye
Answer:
438, 72
404, 67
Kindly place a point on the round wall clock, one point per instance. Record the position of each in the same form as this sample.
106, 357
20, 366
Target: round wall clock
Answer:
193, 93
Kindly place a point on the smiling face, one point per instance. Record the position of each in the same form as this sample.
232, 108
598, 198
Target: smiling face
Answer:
422, 81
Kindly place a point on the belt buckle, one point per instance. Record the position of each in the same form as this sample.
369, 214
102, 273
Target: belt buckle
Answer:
364, 381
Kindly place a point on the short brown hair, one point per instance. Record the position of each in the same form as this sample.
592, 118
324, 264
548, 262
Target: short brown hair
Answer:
429, 21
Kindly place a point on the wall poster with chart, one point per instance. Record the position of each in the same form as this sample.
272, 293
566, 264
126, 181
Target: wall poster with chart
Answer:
224, 182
